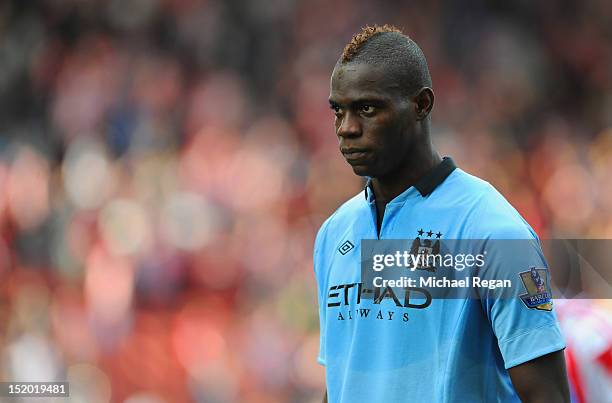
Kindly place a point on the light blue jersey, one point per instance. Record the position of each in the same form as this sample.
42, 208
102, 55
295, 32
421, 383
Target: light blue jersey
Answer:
405, 349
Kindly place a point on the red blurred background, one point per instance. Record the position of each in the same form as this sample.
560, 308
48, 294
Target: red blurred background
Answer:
165, 164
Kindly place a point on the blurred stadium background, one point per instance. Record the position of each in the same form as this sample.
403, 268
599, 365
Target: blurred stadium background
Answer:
165, 164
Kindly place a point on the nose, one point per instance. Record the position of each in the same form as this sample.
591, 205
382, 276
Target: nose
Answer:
349, 125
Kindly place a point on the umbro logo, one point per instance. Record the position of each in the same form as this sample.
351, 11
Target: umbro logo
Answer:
346, 247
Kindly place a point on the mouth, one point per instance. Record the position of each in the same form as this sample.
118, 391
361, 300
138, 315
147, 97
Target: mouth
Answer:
354, 154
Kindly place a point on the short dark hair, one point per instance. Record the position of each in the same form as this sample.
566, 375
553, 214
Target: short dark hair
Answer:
386, 45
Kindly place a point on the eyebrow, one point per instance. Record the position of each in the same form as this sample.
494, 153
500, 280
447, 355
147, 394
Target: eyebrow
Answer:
361, 101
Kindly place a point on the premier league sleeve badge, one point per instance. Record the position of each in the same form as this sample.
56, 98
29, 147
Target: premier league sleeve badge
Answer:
538, 295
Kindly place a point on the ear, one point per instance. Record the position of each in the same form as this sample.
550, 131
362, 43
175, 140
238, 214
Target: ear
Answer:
424, 102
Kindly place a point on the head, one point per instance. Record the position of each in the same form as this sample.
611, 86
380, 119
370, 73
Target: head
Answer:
382, 98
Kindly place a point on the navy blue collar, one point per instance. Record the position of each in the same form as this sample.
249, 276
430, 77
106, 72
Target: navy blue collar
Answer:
430, 180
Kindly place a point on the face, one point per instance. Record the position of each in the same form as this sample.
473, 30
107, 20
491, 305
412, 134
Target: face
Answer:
374, 122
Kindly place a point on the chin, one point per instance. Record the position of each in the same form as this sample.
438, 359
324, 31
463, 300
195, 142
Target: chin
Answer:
362, 170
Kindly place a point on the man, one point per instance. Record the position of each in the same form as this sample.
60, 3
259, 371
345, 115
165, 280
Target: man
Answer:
379, 347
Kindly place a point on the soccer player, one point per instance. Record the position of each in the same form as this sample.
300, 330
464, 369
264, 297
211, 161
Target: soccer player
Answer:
381, 347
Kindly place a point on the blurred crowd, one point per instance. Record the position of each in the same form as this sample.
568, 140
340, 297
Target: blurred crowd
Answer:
165, 164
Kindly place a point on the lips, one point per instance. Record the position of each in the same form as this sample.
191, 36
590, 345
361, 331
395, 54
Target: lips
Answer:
354, 154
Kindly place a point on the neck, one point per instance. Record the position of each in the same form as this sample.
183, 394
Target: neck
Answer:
418, 163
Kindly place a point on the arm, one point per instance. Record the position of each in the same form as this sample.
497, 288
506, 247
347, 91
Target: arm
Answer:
542, 380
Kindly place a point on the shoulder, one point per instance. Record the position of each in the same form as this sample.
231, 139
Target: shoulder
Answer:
350, 211
490, 214
333, 227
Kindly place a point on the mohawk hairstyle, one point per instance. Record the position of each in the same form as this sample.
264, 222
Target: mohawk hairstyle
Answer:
388, 48
360, 38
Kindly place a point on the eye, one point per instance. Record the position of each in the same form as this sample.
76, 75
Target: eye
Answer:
336, 109
367, 109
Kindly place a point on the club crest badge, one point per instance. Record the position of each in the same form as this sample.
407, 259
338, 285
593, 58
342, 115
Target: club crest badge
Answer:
538, 295
424, 248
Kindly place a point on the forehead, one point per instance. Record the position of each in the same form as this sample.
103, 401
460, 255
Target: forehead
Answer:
361, 80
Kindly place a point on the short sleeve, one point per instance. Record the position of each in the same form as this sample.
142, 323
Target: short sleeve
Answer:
523, 319
320, 278
322, 319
